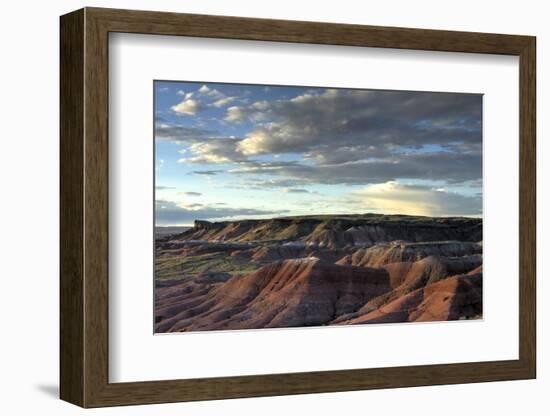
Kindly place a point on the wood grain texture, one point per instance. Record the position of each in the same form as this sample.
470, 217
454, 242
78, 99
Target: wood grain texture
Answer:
527, 208
162, 23
71, 213
84, 204
96, 208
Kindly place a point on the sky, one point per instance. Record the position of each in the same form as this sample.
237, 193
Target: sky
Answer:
236, 151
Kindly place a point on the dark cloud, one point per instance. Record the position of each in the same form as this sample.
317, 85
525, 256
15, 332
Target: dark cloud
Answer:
204, 145
445, 166
190, 193
295, 191
346, 137
363, 121
168, 212
161, 188
179, 134
207, 172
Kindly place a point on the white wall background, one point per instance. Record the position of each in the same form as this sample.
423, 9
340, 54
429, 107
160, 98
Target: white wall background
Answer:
29, 211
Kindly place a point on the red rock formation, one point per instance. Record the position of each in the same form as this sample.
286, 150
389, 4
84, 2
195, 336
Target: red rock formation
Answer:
458, 297
406, 277
289, 293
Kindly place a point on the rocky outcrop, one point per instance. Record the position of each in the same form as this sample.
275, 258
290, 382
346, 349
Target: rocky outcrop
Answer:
453, 298
431, 268
397, 251
407, 277
275, 252
339, 231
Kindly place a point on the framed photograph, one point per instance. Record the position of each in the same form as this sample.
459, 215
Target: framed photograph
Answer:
256, 207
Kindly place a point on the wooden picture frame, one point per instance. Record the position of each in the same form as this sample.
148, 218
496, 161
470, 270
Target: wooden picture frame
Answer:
84, 207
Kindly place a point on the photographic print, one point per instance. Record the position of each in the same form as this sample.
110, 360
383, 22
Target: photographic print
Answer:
298, 206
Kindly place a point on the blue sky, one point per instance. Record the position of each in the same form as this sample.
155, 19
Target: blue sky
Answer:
234, 151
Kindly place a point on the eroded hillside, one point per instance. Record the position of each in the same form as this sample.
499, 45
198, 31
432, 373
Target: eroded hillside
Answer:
322, 270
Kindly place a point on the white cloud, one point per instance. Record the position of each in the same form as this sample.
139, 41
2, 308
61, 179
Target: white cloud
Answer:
190, 206
255, 142
223, 101
211, 92
214, 150
186, 95
187, 107
204, 89
260, 105
220, 99
234, 114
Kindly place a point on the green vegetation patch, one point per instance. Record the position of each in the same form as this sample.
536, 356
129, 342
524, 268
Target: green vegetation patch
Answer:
178, 267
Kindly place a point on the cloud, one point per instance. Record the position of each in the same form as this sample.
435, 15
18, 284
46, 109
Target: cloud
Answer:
190, 193
179, 134
360, 120
254, 182
214, 150
186, 95
223, 101
357, 136
234, 114
211, 92
169, 212
444, 166
220, 99
188, 107
395, 198
190, 206
343, 137
295, 191
161, 188
207, 172
256, 112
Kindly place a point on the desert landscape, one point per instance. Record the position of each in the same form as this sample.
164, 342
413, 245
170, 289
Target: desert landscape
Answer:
318, 270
